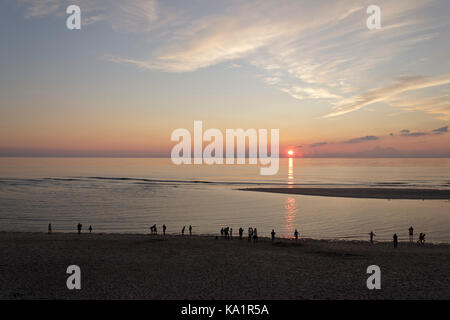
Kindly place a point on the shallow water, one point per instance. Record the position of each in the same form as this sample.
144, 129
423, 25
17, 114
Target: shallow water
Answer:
129, 195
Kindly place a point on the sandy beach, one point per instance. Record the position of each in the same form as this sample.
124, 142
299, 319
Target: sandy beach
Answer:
132, 266
375, 193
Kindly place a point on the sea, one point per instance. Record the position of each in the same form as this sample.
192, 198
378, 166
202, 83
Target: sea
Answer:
128, 195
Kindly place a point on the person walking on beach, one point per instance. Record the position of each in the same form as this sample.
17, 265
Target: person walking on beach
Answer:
222, 232
90, 228
231, 233
411, 234
371, 236
241, 232
49, 228
182, 230
421, 240
164, 229
395, 240
273, 235
190, 230
296, 234
250, 234
79, 226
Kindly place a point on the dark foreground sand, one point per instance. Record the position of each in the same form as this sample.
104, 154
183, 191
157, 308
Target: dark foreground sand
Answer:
125, 266
378, 193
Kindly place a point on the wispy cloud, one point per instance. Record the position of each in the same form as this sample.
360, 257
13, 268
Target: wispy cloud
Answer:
130, 15
371, 138
401, 85
408, 133
40, 8
318, 144
318, 50
440, 130
300, 44
362, 139
437, 105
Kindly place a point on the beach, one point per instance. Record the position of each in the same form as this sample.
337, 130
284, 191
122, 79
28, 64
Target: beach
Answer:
374, 193
136, 266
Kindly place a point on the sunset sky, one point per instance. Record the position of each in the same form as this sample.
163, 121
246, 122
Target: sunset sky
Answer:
139, 69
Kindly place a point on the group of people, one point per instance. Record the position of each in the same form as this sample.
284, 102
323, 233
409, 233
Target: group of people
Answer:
154, 229
79, 227
227, 232
252, 234
421, 240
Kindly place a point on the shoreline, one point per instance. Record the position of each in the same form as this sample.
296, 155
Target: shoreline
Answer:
143, 266
362, 193
207, 236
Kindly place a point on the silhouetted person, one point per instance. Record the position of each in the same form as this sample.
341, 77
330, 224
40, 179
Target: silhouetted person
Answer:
231, 233
411, 234
250, 234
226, 231
79, 226
182, 230
164, 229
395, 240
371, 236
296, 234
222, 232
421, 240
190, 230
241, 232
90, 229
49, 228
255, 235
273, 235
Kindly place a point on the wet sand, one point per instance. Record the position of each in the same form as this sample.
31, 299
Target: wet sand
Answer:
376, 193
132, 266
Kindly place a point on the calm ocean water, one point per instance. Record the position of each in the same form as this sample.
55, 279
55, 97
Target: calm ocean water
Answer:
130, 194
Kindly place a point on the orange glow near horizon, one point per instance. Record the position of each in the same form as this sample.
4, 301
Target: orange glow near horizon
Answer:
291, 152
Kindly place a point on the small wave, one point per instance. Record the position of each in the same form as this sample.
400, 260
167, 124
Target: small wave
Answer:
391, 183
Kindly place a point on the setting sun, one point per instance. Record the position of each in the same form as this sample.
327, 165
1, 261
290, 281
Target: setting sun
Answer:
291, 152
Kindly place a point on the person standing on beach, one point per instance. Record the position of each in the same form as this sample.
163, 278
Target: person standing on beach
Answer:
90, 229
371, 236
231, 233
395, 240
182, 230
411, 234
241, 232
255, 235
250, 234
164, 229
273, 235
222, 232
296, 234
49, 228
190, 230
79, 226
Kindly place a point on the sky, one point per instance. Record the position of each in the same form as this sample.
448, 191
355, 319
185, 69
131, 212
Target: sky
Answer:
137, 70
